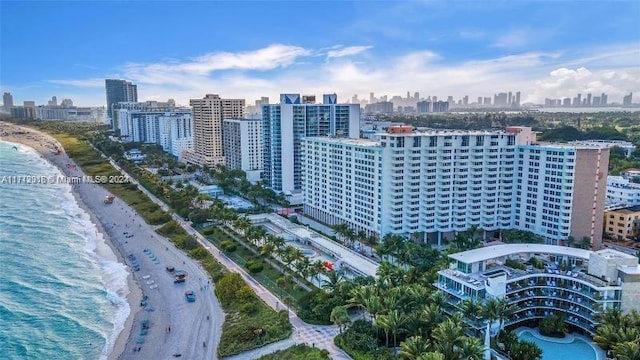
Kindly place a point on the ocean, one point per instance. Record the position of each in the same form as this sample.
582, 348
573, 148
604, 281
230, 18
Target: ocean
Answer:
62, 291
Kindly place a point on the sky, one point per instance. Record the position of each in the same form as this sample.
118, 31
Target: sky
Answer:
245, 49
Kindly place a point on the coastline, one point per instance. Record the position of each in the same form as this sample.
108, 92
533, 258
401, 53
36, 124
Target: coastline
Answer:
174, 326
43, 144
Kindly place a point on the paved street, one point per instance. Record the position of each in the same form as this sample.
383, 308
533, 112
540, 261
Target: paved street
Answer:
321, 336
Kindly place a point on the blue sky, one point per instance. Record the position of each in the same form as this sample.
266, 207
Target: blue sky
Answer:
245, 49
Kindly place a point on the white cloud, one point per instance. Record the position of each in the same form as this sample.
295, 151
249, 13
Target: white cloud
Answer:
286, 68
347, 51
82, 83
269, 58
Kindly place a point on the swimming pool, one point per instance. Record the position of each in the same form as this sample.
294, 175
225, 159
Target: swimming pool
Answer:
570, 347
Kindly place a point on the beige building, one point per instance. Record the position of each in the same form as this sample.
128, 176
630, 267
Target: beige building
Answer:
622, 223
208, 114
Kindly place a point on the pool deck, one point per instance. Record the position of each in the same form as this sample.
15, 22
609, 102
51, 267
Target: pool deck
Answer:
568, 339
354, 261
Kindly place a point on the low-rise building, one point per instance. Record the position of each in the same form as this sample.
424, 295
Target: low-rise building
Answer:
542, 280
621, 192
622, 223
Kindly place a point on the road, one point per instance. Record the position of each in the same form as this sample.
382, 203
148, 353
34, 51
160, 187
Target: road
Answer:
320, 336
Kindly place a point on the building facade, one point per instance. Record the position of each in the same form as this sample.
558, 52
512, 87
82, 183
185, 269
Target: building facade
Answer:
441, 182
621, 192
622, 224
243, 149
172, 128
118, 91
7, 101
208, 114
541, 280
284, 126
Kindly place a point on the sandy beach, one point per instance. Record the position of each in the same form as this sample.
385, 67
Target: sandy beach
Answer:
175, 325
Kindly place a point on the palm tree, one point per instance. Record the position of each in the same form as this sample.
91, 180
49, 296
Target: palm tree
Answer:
382, 322
302, 266
413, 347
447, 336
397, 321
341, 230
471, 309
374, 306
438, 298
333, 280
470, 349
628, 350
505, 311
359, 296
491, 311
430, 316
340, 316
316, 269
242, 224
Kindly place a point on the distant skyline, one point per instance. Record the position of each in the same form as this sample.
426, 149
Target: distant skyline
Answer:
184, 50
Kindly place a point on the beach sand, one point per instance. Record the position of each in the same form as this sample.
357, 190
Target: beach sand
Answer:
176, 326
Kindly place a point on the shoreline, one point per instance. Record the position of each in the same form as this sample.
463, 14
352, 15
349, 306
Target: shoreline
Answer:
134, 291
175, 327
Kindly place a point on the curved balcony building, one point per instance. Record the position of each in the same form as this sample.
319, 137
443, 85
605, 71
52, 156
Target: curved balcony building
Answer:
541, 280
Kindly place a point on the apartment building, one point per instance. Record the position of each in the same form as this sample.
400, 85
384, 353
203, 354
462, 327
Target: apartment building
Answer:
242, 142
118, 91
622, 223
287, 123
208, 114
171, 128
541, 280
439, 182
621, 192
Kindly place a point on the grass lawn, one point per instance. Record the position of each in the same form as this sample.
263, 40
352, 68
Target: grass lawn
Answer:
298, 352
94, 165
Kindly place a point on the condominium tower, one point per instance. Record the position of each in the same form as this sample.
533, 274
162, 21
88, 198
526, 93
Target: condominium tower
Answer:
242, 142
285, 124
208, 114
439, 182
119, 91
541, 280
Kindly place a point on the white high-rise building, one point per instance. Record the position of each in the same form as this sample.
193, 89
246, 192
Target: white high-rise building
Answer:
440, 182
286, 124
243, 149
171, 129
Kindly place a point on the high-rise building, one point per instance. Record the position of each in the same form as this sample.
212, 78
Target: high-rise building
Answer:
416, 96
243, 149
169, 127
440, 106
588, 99
450, 99
510, 98
627, 99
465, 100
208, 114
440, 182
487, 100
479, 100
7, 101
603, 99
566, 102
119, 91
53, 101
385, 107
285, 124
517, 101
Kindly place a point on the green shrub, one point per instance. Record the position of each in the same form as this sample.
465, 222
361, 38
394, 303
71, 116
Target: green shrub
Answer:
208, 231
248, 308
254, 267
228, 246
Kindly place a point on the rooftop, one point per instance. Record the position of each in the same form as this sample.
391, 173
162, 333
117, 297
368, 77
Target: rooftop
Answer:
627, 210
496, 251
361, 142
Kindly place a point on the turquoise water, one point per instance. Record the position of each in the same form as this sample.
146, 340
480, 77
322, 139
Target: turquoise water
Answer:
578, 349
59, 283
